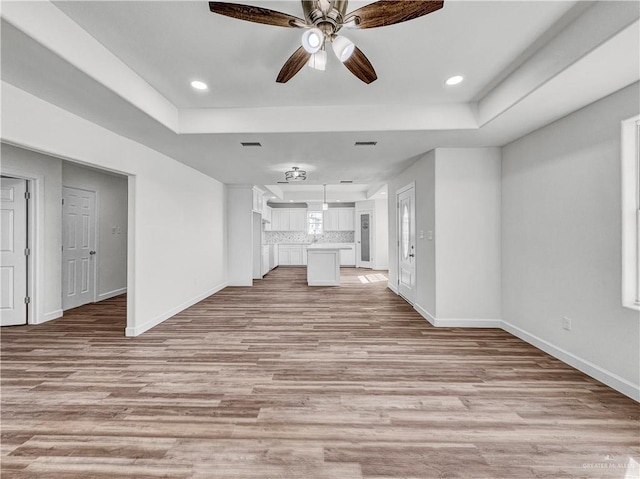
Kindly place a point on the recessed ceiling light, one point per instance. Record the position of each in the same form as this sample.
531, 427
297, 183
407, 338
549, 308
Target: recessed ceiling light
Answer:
338, 201
383, 193
454, 80
290, 201
199, 85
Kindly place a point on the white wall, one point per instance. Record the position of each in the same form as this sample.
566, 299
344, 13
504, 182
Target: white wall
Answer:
240, 235
561, 243
458, 270
112, 213
381, 258
47, 299
177, 235
467, 233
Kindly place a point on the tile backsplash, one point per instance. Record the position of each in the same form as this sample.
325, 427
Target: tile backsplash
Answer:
279, 237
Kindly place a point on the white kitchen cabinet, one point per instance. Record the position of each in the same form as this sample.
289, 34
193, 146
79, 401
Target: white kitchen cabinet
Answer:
346, 219
258, 200
348, 256
331, 219
298, 221
290, 255
273, 256
265, 259
339, 219
280, 219
289, 219
266, 217
296, 257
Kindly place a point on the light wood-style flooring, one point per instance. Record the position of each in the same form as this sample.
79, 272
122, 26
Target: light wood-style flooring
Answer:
286, 381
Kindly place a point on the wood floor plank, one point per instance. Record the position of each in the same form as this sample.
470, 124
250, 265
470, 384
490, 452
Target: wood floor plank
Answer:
286, 381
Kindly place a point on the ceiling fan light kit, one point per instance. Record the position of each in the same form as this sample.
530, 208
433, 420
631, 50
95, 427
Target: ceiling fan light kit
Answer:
343, 47
318, 60
323, 20
312, 40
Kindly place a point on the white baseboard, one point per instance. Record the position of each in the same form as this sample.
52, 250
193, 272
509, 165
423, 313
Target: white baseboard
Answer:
392, 287
138, 330
457, 323
111, 294
425, 314
607, 377
49, 316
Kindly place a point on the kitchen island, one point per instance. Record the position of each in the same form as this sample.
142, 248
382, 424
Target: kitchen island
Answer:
323, 264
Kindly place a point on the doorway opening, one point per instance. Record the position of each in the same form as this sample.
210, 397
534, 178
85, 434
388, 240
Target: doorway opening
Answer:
94, 236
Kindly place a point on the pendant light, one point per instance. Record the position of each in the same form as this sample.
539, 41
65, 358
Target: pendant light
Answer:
325, 205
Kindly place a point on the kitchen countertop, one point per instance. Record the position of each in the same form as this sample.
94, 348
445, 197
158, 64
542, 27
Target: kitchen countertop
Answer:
330, 246
309, 244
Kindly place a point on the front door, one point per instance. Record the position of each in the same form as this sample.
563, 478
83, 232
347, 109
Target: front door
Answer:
406, 250
78, 247
364, 239
13, 246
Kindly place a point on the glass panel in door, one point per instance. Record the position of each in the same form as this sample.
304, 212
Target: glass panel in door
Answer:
365, 237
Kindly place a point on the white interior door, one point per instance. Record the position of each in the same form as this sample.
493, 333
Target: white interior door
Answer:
13, 245
78, 247
364, 239
407, 238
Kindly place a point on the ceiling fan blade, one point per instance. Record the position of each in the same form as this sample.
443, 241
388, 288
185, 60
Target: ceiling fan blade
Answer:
256, 14
389, 12
293, 65
360, 66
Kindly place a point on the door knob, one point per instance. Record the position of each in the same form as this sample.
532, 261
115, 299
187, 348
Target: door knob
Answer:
92, 253
411, 255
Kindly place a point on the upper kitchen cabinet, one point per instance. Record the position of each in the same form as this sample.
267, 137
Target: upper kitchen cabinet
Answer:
298, 219
288, 219
339, 219
266, 217
258, 200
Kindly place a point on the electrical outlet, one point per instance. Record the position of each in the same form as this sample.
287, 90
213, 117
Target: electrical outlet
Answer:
566, 323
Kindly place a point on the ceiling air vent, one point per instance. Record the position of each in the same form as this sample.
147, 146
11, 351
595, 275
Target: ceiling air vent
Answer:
346, 182
251, 143
365, 143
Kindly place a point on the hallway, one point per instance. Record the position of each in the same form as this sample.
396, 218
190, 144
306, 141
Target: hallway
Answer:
281, 380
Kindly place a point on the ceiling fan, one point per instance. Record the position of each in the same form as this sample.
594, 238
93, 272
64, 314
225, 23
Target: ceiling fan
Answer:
323, 20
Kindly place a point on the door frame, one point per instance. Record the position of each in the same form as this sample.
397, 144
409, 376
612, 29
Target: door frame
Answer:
372, 237
96, 225
35, 221
399, 191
